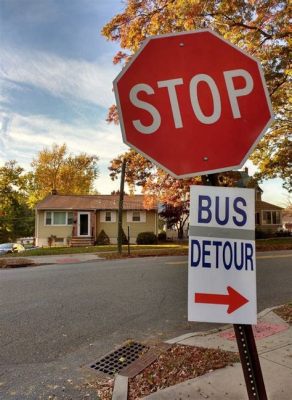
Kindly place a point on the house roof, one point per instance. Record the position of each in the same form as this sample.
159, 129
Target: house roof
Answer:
91, 202
263, 205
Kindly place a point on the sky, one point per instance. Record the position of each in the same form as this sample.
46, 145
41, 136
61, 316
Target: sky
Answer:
56, 76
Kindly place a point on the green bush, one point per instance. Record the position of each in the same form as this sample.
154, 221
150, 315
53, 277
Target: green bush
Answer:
259, 234
124, 237
161, 236
283, 233
146, 238
102, 238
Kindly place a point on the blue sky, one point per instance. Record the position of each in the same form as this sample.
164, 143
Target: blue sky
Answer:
56, 83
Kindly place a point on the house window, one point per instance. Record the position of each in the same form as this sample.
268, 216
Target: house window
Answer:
58, 218
271, 217
48, 220
70, 218
257, 218
59, 240
108, 216
136, 216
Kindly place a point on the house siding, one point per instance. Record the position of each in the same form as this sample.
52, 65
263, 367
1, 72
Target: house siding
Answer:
45, 231
262, 206
111, 228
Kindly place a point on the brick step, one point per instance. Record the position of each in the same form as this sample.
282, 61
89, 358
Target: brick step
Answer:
82, 241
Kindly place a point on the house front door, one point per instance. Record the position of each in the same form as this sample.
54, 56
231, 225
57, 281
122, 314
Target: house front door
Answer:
84, 224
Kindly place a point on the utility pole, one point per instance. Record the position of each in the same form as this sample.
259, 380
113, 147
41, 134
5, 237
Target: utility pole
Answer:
120, 211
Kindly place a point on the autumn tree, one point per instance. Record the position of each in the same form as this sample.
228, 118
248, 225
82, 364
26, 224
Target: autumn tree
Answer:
16, 218
259, 27
138, 168
175, 216
55, 169
157, 186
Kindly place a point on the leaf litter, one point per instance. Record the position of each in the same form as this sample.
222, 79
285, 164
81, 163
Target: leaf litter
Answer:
176, 365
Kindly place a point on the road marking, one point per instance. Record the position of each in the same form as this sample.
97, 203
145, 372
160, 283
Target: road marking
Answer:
279, 256
176, 262
258, 257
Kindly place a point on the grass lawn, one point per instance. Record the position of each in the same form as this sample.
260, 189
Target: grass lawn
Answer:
103, 249
175, 248
281, 243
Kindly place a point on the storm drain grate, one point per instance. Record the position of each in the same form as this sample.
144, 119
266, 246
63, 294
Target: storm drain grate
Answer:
119, 359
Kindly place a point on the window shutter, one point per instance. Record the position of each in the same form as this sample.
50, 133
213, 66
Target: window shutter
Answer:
113, 216
129, 216
143, 216
102, 216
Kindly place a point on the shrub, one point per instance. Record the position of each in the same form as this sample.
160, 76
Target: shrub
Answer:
161, 236
51, 240
146, 238
124, 237
259, 234
102, 238
283, 233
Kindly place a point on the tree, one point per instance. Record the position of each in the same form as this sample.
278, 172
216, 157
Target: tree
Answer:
260, 27
137, 171
55, 169
175, 216
16, 218
157, 186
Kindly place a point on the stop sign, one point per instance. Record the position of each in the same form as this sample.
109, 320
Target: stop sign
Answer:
192, 103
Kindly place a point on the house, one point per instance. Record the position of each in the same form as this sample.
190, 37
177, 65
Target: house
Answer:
77, 220
287, 219
268, 217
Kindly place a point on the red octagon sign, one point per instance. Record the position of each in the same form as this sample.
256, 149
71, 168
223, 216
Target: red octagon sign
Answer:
192, 103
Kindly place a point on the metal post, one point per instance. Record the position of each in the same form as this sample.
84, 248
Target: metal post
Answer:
249, 358
128, 240
250, 362
120, 211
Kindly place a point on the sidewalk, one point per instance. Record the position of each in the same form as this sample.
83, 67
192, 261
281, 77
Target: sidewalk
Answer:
274, 344
54, 259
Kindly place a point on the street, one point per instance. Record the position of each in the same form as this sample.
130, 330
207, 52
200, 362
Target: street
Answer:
57, 318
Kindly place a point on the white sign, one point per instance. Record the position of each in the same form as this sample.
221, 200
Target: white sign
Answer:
222, 268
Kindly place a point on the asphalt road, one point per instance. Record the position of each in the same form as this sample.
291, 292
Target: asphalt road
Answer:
56, 319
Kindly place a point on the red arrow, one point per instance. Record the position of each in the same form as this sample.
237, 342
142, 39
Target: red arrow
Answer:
233, 299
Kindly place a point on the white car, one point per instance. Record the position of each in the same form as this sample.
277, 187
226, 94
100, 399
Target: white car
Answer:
7, 248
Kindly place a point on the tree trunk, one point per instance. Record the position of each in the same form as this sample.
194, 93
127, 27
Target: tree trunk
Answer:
180, 233
120, 212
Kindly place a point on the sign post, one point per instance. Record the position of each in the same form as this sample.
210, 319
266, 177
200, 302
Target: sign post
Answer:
195, 104
222, 270
250, 362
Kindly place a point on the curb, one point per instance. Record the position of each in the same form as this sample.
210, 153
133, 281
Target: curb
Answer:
217, 330
120, 391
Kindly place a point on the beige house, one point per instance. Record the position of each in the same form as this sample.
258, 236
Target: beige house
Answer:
78, 220
268, 217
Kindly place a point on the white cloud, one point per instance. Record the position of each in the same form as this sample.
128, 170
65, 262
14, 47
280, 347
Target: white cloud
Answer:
25, 136
274, 193
61, 77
